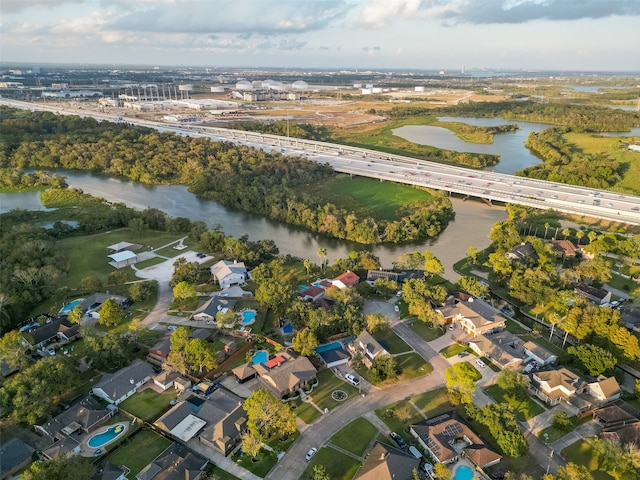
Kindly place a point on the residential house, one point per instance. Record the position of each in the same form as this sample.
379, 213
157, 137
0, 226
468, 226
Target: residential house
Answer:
165, 379
373, 275
117, 387
475, 317
216, 421
605, 390
209, 309
82, 417
312, 294
502, 348
540, 355
614, 417
387, 463
108, 471
175, 463
447, 439
14, 455
285, 373
564, 248
347, 279
599, 296
181, 384
334, 357
629, 434
91, 305
228, 273
366, 347
523, 253
62, 448
56, 331
160, 351
555, 386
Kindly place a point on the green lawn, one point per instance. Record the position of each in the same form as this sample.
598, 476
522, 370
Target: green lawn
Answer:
395, 343
88, 254
513, 327
425, 332
432, 403
454, 349
216, 472
551, 434
337, 465
367, 195
148, 404
305, 411
526, 408
327, 383
413, 366
355, 437
138, 451
260, 466
581, 453
398, 416
489, 364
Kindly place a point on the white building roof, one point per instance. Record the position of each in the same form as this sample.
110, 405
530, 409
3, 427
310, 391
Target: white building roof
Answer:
188, 428
122, 256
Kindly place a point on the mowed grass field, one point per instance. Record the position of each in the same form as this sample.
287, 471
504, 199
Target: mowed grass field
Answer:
610, 147
368, 196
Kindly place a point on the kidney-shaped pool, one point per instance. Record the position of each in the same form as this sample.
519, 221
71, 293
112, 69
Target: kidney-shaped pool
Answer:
107, 436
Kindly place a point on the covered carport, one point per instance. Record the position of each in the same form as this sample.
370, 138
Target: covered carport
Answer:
122, 259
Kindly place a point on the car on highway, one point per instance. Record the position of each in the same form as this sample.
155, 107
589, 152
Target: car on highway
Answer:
310, 453
398, 439
480, 363
580, 201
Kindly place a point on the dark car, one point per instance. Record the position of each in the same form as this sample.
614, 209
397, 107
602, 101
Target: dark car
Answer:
398, 439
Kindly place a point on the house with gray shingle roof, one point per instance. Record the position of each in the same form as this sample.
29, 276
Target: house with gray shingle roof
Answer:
228, 273
387, 463
175, 463
84, 416
117, 387
14, 455
367, 347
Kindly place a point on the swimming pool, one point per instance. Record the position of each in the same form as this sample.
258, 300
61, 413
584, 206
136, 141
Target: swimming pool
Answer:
108, 436
69, 306
248, 317
463, 473
288, 328
328, 346
261, 356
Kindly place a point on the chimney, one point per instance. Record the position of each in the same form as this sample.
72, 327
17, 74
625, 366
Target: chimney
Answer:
132, 381
383, 455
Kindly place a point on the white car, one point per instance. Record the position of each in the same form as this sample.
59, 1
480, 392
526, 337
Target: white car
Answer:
352, 379
396, 308
399, 293
311, 453
480, 363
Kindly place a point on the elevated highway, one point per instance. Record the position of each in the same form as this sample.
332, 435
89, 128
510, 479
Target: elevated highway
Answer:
487, 185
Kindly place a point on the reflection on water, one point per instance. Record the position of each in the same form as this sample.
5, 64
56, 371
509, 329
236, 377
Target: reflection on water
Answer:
473, 222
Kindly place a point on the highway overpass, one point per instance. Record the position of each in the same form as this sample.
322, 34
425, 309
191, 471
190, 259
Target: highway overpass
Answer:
487, 185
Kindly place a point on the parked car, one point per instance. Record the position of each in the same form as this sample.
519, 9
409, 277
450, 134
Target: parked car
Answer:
451, 327
398, 439
507, 311
463, 354
51, 351
480, 363
352, 379
311, 453
396, 308
399, 293
200, 255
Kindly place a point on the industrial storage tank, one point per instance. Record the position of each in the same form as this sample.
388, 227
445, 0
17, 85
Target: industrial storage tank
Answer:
217, 89
244, 85
300, 85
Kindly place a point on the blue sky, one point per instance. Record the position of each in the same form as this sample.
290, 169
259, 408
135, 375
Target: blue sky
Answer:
346, 34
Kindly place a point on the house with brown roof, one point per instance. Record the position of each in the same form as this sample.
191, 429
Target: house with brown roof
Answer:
629, 434
347, 279
555, 386
502, 348
539, 354
564, 248
285, 373
613, 417
387, 463
523, 253
216, 421
605, 390
312, 294
475, 316
447, 439
366, 347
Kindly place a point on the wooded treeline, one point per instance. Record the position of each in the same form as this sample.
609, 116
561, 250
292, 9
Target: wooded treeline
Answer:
266, 183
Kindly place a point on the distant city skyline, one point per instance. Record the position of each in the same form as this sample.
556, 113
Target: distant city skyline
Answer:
587, 35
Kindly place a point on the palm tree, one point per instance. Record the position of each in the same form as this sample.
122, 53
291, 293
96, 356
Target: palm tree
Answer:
546, 229
566, 233
307, 264
592, 236
322, 253
579, 235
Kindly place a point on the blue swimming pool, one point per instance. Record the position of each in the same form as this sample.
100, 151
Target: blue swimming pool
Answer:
288, 328
248, 317
108, 436
328, 346
261, 356
463, 473
69, 306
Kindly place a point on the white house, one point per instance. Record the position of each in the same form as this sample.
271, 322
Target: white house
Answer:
605, 390
539, 354
228, 273
117, 387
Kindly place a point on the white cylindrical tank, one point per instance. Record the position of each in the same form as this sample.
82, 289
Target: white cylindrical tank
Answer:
244, 85
217, 89
300, 85
367, 91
